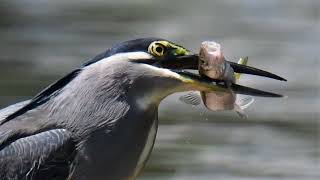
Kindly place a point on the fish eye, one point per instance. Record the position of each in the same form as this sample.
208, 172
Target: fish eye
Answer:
157, 49
201, 58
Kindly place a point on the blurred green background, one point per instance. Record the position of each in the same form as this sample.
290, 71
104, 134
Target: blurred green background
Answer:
41, 40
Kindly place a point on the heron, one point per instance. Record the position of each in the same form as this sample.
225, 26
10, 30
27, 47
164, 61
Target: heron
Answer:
100, 121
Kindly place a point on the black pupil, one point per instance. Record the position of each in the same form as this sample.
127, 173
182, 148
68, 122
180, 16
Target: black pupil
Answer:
159, 49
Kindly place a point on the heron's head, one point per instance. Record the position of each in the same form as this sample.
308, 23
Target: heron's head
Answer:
153, 68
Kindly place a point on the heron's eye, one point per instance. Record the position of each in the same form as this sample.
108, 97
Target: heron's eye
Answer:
157, 49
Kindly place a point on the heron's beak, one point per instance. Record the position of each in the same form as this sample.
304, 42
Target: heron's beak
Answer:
191, 62
180, 63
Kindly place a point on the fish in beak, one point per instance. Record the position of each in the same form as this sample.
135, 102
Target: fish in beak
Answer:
181, 64
212, 64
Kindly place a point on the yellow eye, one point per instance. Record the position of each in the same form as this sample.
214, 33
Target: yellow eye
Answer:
157, 49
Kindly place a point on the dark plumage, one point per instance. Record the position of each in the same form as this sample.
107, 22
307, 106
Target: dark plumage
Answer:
46, 155
128, 46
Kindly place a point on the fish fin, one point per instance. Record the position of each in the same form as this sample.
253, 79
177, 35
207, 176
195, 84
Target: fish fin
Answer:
241, 113
203, 111
242, 61
244, 101
191, 98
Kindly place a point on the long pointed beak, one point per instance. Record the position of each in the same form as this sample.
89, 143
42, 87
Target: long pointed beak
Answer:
207, 84
239, 68
178, 64
191, 62
181, 62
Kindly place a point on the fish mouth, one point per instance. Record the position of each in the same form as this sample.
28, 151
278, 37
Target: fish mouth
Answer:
180, 64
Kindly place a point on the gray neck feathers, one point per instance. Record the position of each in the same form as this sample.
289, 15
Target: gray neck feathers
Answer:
95, 98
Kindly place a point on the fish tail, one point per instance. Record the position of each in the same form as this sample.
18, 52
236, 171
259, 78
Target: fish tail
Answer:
242, 61
242, 115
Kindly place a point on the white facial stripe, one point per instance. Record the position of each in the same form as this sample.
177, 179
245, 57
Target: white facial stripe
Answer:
128, 55
163, 71
137, 56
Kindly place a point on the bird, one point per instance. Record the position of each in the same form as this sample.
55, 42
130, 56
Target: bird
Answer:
100, 121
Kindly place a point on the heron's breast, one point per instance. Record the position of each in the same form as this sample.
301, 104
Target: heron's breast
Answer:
148, 146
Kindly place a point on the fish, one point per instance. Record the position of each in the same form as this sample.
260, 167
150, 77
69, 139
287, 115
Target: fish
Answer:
213, 64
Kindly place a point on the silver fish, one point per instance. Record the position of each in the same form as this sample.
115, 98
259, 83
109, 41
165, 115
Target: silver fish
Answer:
212, 64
